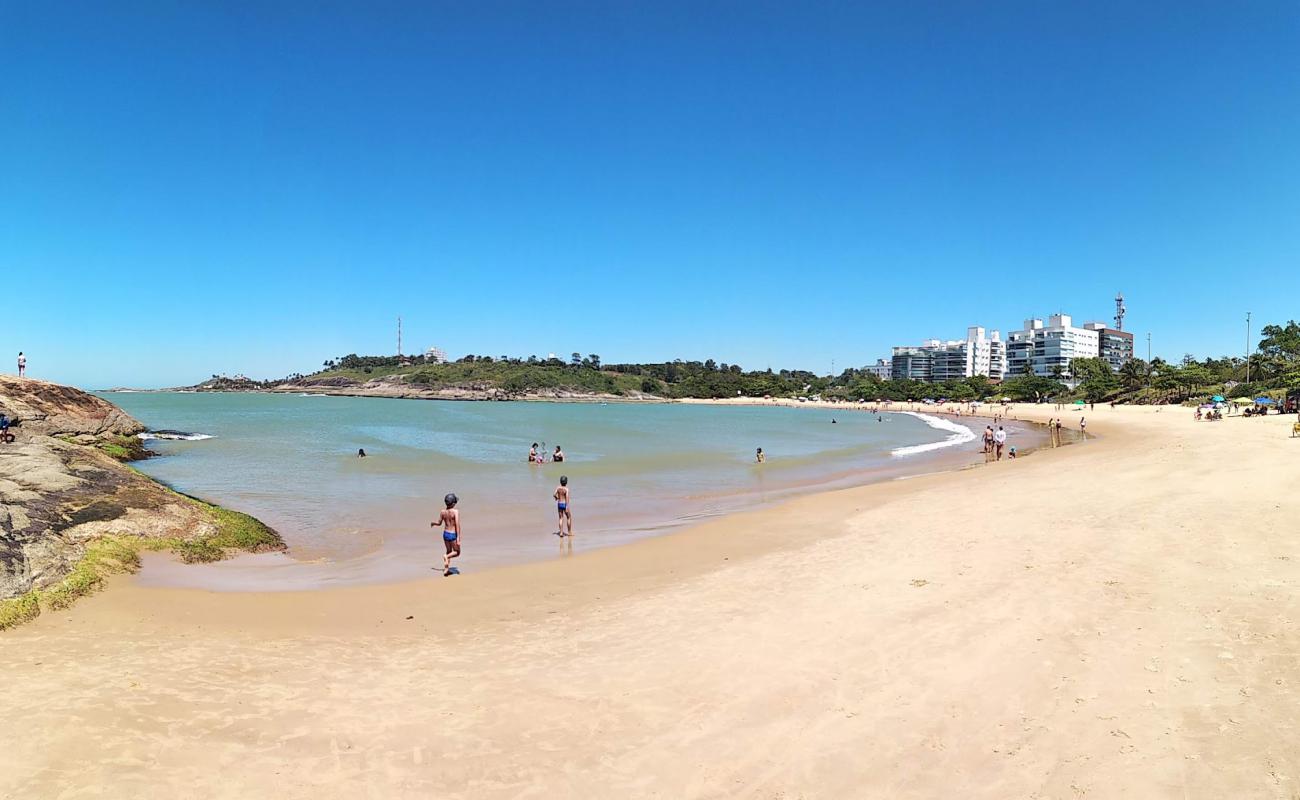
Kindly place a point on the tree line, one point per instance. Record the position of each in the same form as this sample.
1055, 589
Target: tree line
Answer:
1275, 365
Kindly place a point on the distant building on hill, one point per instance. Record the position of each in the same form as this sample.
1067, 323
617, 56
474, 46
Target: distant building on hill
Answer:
435, 355
882, 369
980, 353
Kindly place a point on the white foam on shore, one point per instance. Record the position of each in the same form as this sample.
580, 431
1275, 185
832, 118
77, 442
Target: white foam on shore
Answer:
183, 437
960, 435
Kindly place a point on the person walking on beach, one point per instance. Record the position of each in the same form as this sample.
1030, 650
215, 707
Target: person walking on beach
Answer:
449, 519
1083, 425
1000, 439
22, 364
759, 458
562, 507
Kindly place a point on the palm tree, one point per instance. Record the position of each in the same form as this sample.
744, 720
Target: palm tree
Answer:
1134, 373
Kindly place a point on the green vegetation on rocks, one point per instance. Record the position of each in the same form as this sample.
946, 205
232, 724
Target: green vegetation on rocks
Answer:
117, 554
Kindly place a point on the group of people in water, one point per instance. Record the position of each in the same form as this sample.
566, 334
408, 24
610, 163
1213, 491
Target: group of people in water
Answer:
536, 456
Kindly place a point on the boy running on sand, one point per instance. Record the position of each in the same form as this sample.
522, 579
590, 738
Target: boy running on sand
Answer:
449, 519
562, 507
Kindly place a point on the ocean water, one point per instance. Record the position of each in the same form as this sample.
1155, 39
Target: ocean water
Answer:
634, 469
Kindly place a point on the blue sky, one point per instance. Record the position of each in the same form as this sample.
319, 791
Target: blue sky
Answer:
191, 188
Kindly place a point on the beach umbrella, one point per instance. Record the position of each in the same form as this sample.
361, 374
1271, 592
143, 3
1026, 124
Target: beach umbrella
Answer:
1243, 400
1264, 401
1218, 398
1080, 403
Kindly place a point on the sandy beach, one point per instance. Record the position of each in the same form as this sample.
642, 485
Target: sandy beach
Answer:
1116, 618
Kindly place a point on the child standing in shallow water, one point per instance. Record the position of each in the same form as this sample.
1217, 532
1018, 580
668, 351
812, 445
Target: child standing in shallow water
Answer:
449, 519
562, 507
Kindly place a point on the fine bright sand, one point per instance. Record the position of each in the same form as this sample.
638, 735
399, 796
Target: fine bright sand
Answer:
1117, 618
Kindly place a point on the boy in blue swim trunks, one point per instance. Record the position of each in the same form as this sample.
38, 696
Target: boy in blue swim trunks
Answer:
449, 519
562, 507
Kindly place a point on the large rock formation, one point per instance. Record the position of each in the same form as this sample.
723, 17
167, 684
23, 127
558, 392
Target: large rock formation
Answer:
54, 410
59, 491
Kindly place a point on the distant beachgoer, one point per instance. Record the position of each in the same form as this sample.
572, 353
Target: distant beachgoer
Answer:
1000, 439
562, 507
22, 364
4, 428
1083, 424
1011, 454
361, 452
759, 458
449, 519
558, 455
988, 438
832, 420
532, 454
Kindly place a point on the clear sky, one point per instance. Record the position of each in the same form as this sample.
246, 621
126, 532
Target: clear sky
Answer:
189, 188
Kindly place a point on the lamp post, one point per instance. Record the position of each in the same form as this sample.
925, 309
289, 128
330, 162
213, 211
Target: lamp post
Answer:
1247, 347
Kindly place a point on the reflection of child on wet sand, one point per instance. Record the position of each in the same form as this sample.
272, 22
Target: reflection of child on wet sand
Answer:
562, 507
449, 519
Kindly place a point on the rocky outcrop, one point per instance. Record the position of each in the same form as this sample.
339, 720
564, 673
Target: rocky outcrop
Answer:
53, 410
59, 491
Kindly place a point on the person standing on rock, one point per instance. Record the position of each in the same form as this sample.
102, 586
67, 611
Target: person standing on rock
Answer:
22, 364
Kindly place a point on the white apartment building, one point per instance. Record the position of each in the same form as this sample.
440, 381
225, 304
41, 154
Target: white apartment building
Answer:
882, 369
980, 353
1048, 349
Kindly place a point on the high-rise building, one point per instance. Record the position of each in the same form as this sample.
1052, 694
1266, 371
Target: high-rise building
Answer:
1046, 350
912, 363
980, 353
1114, 346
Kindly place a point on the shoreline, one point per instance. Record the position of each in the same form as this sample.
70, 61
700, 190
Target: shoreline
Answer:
396, 549
532, 575
1110, 618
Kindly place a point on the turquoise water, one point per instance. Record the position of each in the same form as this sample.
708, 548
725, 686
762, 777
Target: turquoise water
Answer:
291, 461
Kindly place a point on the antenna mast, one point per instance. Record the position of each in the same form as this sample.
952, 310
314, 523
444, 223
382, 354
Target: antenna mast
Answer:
1120, 310
399, 336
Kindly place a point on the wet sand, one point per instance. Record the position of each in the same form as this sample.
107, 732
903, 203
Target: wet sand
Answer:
1113, 619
